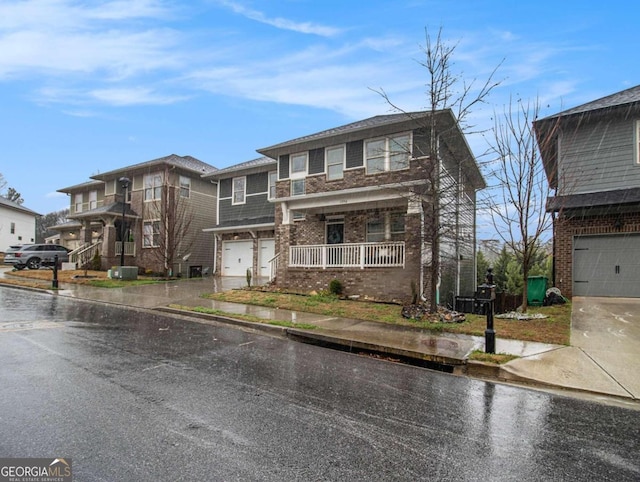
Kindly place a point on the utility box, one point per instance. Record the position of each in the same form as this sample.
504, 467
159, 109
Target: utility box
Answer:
124, 272
536, 290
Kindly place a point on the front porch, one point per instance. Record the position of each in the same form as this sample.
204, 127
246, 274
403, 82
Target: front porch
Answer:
348, 255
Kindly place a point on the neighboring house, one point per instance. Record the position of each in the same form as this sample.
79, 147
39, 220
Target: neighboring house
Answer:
83, 198
349, 206
591, 156
17, 224
163, 195
244, 233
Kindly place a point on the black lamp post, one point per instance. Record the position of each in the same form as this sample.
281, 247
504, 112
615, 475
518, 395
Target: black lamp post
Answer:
124, 182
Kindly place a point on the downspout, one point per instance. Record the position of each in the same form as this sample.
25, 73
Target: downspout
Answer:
422, 253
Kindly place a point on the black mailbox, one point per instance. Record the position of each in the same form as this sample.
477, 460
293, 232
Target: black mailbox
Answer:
486, 293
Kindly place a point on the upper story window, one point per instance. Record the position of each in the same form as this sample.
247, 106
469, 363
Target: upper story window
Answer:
388, 154
298, 173
93, 199
185, 186
152, 187
334, 158
637, 142
239, 190
13, 228
273, 177
77, 199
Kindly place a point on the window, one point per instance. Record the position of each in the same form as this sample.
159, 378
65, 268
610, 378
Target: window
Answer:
388, 154
152, 187
78, 203
13, 228
273, 177
185, 186
151, 234
298, 173
385, 227
299, 164
239, 190
637, 143
335, 162
375, 230
93, 199
297, 187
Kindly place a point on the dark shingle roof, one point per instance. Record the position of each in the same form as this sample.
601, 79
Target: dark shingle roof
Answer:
188, 163
254, 164
81, 187
628, 96
370, 123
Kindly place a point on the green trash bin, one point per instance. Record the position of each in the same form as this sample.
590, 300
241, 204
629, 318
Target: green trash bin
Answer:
536, 290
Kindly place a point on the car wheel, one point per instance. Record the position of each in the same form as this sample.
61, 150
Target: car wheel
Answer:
33, 263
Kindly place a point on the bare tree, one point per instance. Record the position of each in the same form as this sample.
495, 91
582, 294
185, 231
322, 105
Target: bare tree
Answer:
43, 223
517, 202
446, 91
174, 215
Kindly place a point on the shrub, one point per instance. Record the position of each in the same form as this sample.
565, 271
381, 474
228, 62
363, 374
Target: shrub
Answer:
335, 287
96, 262
249, 277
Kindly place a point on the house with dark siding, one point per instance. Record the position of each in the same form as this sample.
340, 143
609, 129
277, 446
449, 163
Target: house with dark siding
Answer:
244, 230
591, 156
349, 205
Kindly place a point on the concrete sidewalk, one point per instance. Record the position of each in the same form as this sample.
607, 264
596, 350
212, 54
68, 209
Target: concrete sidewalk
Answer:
591, 367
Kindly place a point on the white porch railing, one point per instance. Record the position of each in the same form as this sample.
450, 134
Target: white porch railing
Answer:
84, 253
351, 255
273, 266
129, 248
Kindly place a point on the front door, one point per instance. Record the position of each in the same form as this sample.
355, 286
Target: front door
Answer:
335, 235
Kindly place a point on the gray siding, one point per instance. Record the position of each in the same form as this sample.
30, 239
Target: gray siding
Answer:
598, 157
255, 207
257, 183
226, 187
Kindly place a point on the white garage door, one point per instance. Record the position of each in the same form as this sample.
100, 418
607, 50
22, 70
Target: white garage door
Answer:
267, 251
607, 266
237, 256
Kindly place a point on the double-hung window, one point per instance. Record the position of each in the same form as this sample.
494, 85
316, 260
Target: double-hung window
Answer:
335, 162
93, 199
273, 177
388, 154
78, 203
637, 142
151, 234
298, 172
239, 190
385, 227
152, 187
185, 186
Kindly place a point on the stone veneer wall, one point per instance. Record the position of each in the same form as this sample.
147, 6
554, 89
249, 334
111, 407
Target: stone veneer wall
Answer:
566, 228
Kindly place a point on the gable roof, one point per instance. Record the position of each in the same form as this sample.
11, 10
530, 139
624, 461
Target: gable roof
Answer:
628, 96
254, 165
5, 203
81, 187
187, 163
546, 129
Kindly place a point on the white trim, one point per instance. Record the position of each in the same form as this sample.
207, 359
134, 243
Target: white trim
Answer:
636, 144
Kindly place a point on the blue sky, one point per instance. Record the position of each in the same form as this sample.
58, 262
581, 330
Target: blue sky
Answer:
91, 86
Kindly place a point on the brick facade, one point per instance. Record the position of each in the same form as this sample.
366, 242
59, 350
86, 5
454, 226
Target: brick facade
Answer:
566, 228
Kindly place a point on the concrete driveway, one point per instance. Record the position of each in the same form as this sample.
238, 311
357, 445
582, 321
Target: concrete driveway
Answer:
607, 330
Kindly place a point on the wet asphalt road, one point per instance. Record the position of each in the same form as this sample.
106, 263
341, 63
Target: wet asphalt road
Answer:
130, 395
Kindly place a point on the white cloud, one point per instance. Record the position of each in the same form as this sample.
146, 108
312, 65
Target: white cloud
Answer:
279, 22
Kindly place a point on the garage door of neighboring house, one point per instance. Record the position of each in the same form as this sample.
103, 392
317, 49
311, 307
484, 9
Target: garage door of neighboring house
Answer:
607, 266
237, 256
267, 251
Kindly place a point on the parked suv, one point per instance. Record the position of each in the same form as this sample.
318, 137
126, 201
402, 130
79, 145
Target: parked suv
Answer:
33, 256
